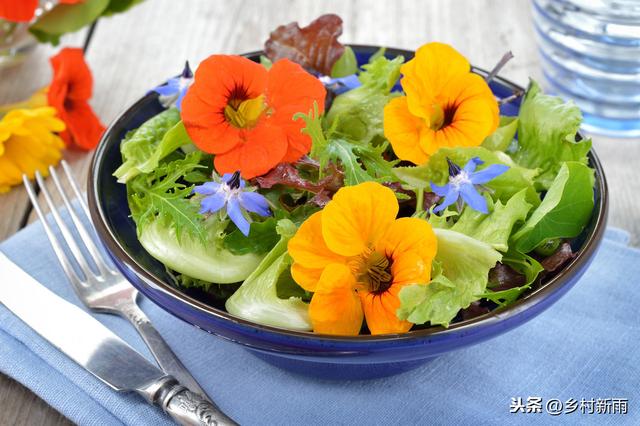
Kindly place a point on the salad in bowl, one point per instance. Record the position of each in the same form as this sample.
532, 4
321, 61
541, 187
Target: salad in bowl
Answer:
308, 192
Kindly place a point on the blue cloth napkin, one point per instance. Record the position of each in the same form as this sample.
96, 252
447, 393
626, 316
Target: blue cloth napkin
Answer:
584, 347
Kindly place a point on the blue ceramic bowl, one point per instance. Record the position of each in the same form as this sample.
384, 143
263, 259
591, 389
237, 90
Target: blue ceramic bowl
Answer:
307, 353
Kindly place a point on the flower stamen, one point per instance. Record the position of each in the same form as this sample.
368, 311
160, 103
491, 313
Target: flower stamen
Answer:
244, 114
375, 272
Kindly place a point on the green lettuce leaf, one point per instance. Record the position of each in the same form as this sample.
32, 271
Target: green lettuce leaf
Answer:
565, 210
200, 260
494, 228
503, 136
360, 161
262, 237
358, 113
257, 298
547, 134
346, 65
504, 187
460, 273
143, 148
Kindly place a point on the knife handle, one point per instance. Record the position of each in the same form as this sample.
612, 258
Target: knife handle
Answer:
185, 407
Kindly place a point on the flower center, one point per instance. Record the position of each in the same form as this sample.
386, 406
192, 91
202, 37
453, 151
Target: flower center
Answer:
440, 117
375, 272
244, 114
460, 179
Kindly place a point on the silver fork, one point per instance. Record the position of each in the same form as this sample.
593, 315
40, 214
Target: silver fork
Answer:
99, 285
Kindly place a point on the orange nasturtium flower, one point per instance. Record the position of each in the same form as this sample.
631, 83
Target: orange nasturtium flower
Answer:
356, 257
28, 142
243, 113
69, 93
446, 105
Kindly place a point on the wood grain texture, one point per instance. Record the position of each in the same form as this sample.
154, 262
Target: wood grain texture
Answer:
131, 53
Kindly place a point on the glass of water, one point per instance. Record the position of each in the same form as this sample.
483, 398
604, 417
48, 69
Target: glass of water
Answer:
590, 52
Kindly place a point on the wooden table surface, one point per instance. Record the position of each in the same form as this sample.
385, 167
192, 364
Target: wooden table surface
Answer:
132, 52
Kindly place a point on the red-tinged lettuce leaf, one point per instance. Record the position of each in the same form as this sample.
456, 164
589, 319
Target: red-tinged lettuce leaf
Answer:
315, 47
287, 175
559, 258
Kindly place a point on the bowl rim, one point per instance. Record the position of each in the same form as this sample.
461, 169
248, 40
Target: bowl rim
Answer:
584, 255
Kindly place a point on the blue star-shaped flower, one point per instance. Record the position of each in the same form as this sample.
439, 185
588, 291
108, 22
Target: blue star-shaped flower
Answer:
462, 185
175, 88
232, 194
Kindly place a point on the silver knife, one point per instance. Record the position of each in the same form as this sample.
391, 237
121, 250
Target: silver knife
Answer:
98, 350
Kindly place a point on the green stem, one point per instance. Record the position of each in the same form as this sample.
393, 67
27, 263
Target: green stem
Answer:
419, 200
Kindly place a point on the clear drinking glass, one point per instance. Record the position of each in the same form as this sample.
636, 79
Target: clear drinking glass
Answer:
590, 52
15, 42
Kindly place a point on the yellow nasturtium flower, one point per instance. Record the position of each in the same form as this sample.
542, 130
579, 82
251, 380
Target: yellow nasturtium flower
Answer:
28, 142
356, 257
446, 105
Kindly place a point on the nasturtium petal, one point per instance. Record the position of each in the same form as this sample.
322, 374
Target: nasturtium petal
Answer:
380, 312
408, 234
335, 307
357, 217
307, 247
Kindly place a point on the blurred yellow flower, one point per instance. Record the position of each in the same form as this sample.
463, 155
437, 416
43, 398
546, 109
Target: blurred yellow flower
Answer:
28, 142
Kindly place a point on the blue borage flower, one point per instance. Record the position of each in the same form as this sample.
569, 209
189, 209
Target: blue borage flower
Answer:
175, 88
463, 183
341, 84
231, 192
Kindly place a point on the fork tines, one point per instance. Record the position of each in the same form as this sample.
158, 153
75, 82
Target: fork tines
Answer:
93, 266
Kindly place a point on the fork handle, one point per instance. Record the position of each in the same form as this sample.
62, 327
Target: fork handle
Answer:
160, 350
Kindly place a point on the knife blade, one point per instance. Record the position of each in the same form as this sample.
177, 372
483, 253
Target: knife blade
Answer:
98, 350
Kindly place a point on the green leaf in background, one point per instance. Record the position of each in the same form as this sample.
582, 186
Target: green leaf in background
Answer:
257, 298
522, 263
346, 65
358, 113
494, 228
565, 210
460, 273
503, 135
262, 237
504, 187
67, 18
119, 6
547, 134
143, 149
265, 62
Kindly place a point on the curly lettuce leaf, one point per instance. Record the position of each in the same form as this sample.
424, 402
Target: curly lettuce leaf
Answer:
565, 210
460, 273
504, 187
263, 237
358, 113
547, 131
257, 299
143, 148
494, 228
360, 161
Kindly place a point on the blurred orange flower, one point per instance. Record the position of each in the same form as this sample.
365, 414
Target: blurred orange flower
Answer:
243, 113
355, 256
69, 93
23, 10
445, 105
